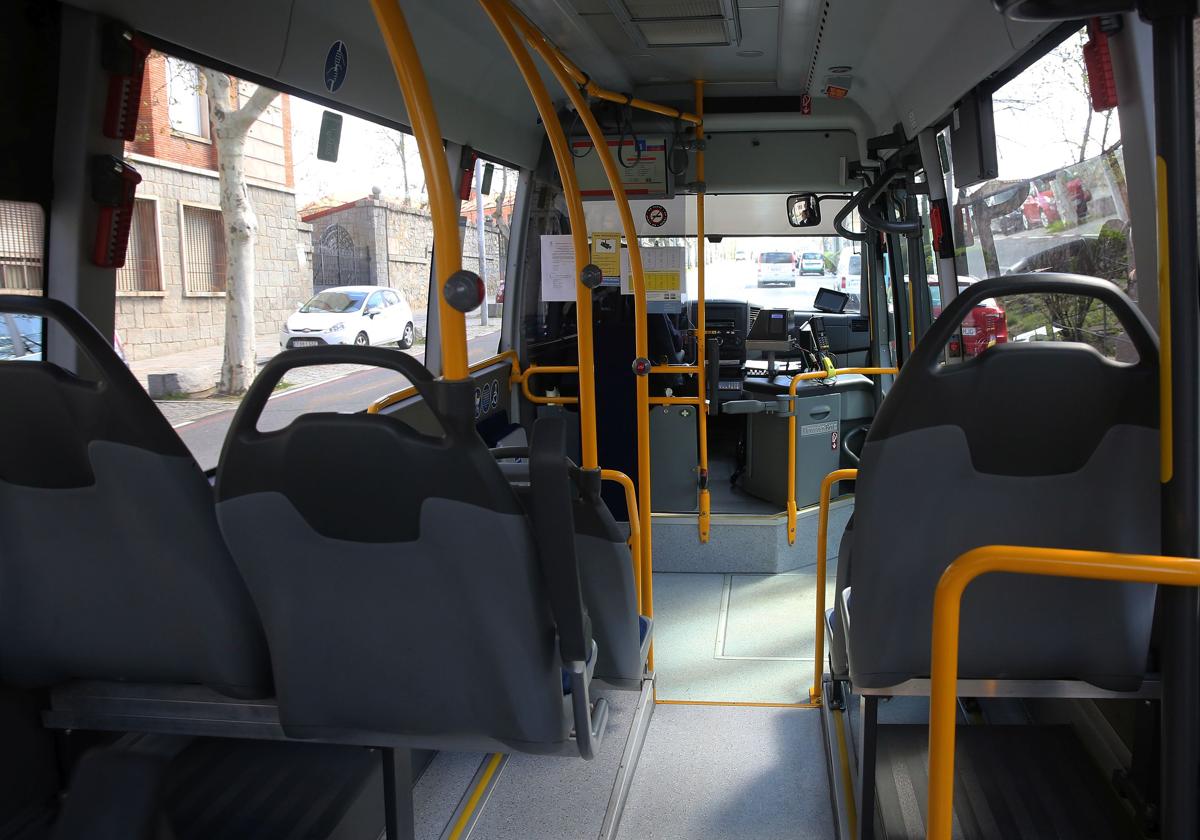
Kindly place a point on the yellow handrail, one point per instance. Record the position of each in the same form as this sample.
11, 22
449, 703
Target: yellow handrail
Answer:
814, 693
443, 203
947, 603
550, 55
579, 235
522, 378
641, 576
696, 401
703, 520
404, 393
791, 456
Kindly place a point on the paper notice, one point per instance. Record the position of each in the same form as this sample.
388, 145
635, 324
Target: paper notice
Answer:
558, 267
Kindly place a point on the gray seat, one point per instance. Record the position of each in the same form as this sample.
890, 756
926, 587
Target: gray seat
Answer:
1042, 444
400, 584
112, 566
839, 663
605, 574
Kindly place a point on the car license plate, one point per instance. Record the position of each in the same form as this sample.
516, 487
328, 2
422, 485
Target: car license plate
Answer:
305, 342
968, 330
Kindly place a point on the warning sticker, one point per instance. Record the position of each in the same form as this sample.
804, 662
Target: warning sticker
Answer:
656, 215
818, 429
606, 253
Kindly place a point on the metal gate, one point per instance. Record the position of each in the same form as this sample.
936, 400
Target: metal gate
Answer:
337, 261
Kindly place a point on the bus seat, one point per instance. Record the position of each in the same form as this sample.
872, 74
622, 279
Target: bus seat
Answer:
836, 631
111, 560
401, 586
1042, 444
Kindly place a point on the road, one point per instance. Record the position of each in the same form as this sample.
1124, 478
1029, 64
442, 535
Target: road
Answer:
737, 280
351, 393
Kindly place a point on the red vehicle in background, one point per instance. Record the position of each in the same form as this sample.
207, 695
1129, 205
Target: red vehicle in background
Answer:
985, 325
1041, 209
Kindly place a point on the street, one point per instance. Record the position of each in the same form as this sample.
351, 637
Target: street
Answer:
737, 280
351, 393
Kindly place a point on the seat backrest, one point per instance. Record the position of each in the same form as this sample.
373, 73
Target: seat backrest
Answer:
1042, 444
112, 565
395, 571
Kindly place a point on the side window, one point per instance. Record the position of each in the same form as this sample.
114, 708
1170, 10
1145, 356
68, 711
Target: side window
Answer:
487, 223
22, 241
375, 301
361, 219
1060, 205
390, 299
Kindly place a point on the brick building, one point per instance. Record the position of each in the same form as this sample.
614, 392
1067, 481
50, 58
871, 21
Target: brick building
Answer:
171, 291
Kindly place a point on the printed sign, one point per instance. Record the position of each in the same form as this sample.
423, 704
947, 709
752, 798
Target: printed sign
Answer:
558, 267
806, 105
606, 253
819, 429
656, 215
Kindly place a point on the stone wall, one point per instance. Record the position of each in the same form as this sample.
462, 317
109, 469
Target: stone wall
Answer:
401, 238
156, 323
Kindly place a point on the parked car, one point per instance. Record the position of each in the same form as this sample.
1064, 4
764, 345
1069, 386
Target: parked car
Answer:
849, 274
362, 315
1041, 208
985, 325
776, 268
812, 262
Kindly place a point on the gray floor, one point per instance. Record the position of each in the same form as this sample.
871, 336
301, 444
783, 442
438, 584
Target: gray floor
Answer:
735, 638
440, 789
718, 773
551, 798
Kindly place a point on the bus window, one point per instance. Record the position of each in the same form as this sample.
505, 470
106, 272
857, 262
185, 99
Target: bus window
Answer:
22, 244
499, 188
342, 251
1060, 204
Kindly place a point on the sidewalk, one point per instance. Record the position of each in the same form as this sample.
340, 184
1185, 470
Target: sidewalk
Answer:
204, 364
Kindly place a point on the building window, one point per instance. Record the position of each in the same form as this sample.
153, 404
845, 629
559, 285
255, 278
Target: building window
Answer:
142, 270
187, 105
204, 261
22, 234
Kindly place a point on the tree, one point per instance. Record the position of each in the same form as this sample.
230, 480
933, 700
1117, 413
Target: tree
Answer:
229, 127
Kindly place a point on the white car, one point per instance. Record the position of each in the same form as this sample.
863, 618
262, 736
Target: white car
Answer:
812, 263
362, 315
776, 268
849, 274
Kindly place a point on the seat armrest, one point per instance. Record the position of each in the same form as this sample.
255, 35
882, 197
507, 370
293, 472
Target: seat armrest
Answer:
843, 608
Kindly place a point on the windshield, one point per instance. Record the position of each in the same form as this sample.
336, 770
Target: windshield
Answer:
335, 302
766, 270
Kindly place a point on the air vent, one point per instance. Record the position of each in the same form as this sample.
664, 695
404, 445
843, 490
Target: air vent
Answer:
679, 23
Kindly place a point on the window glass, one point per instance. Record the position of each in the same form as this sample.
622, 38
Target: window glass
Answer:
328, 235
187, 107
22, 242
499, 190
1060, 203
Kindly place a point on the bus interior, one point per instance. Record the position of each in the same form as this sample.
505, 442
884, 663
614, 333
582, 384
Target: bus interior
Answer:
563, 419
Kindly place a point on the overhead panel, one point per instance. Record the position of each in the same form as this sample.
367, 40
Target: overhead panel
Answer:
679, 23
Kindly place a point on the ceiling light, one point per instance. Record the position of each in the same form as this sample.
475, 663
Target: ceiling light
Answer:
841, 68
678, 23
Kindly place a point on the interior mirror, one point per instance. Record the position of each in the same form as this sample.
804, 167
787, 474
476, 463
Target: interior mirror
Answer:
804, 210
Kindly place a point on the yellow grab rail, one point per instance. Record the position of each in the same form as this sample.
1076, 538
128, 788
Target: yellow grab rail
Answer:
814, 693
561, 149
550, 55
701, 349
522, 378
791, 457
404, 393
640, 575
443, 203
947, 603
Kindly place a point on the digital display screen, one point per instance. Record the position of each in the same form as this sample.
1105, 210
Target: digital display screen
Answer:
828, 300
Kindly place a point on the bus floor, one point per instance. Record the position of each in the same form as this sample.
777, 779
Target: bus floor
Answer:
664, 772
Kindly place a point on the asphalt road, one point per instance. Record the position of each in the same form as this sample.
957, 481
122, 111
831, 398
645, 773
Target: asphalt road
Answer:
354, 392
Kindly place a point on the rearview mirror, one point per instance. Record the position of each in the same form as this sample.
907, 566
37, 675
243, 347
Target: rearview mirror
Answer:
804, 210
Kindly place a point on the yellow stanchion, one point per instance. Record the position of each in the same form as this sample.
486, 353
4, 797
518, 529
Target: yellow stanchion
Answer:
704, 519
550, 55
443, 202
791, 456
814, 693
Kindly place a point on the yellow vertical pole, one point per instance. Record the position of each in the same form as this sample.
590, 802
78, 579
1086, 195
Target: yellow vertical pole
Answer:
443, 202
547, 54
579, 236
701, 334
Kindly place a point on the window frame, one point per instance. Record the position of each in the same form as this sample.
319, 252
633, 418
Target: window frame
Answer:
158, 245
183, 259
200, 98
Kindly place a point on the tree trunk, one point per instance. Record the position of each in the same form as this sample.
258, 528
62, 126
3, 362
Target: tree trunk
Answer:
402, 147
229, 127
